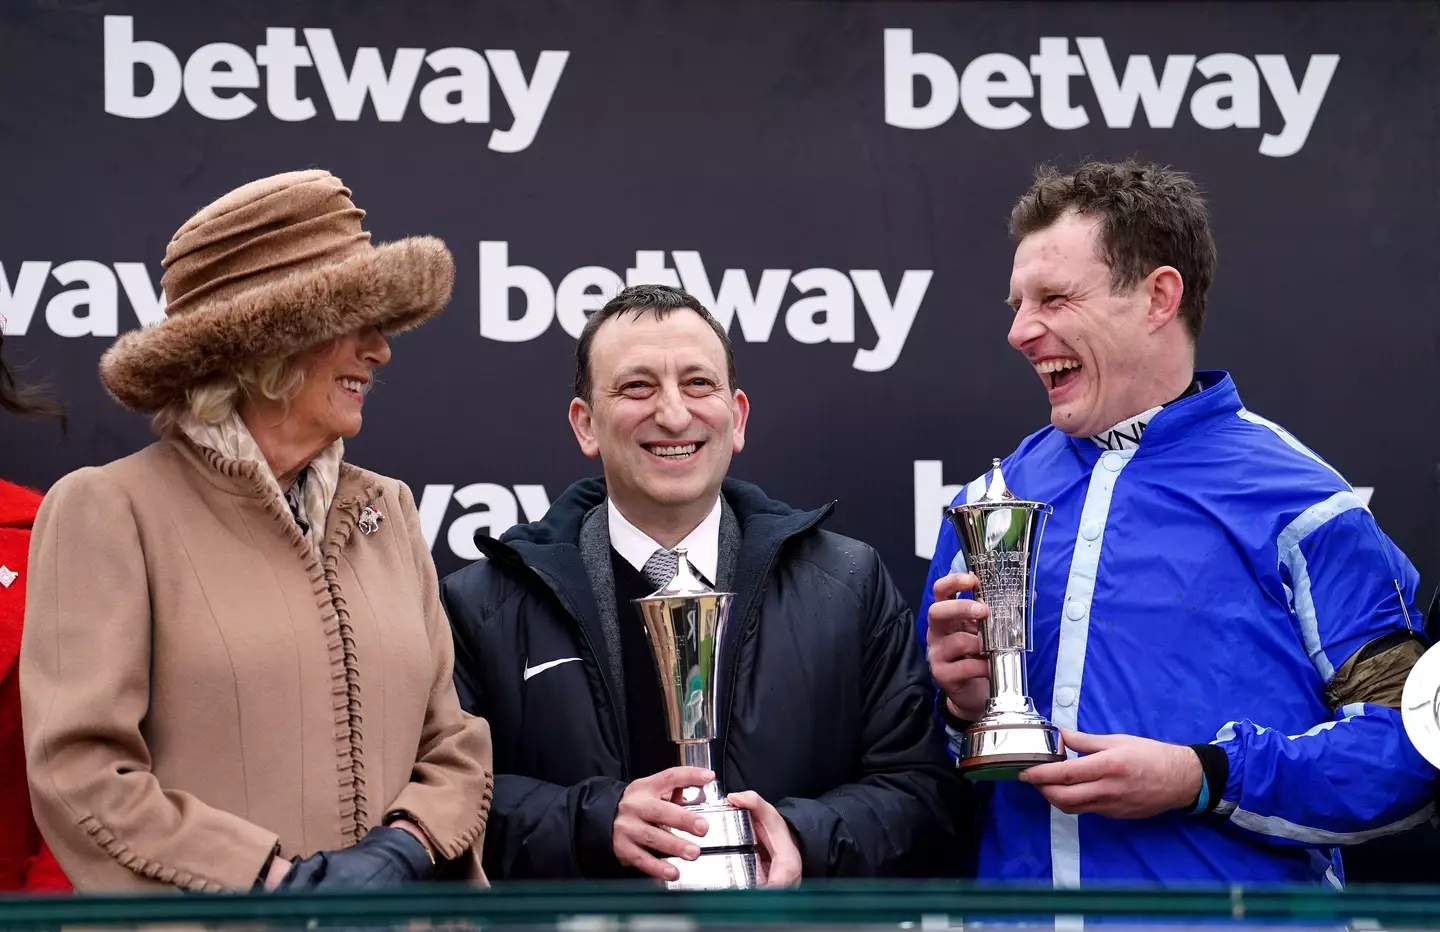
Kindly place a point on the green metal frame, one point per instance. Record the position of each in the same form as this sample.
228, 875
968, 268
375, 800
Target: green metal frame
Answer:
812, 904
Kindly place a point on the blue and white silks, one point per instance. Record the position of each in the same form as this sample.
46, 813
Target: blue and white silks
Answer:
1204, 585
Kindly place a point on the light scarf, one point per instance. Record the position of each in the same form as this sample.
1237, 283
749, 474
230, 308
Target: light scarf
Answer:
231, 439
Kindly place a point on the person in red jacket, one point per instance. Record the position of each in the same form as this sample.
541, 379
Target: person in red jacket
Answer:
25, 861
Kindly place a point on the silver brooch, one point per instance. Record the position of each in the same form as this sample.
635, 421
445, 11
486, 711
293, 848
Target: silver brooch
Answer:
7, 576
370, 520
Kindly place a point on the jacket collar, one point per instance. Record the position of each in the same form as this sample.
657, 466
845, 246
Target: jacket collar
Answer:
308, 498
354, 489
1217, 400
764, 523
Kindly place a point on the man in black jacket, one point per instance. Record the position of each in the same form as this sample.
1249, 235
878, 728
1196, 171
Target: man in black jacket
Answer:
827, 731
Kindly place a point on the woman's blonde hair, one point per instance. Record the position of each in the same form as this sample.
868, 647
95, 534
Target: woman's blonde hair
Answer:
212, 402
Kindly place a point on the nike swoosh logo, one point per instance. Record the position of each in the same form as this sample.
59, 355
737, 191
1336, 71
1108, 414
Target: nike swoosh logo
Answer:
541, 668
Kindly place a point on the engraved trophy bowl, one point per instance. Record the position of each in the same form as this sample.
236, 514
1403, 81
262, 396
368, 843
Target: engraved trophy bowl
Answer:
999, 541
685, 623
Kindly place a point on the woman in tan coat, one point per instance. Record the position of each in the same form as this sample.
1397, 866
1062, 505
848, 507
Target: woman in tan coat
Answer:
236, 672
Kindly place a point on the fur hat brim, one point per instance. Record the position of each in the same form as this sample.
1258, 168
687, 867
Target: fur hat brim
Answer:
395, 286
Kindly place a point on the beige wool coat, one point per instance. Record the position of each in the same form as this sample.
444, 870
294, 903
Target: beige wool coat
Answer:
198, 685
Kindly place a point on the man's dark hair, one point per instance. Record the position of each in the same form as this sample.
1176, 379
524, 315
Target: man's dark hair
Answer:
24, 400
1149, 216
660, 300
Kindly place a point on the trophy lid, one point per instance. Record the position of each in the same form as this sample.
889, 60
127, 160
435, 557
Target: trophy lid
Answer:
996, 496
686, 584
996, 490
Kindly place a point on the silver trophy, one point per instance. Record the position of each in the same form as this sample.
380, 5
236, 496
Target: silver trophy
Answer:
1420, 705
685, 623
999, 540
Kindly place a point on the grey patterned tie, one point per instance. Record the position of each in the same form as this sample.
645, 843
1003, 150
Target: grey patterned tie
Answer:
661, 567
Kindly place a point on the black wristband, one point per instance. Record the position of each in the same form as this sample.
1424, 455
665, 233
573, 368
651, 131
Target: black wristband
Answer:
950, 719
1216, 766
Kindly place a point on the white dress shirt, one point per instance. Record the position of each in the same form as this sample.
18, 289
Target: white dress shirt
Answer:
702, 544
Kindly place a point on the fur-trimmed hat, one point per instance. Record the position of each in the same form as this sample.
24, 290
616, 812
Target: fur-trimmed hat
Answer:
272, 268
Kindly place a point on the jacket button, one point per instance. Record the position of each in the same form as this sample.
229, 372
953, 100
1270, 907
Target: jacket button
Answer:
1113, 462
1065, 696
1075, 610
1091, 530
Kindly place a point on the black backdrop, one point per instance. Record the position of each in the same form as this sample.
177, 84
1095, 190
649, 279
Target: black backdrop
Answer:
746, 136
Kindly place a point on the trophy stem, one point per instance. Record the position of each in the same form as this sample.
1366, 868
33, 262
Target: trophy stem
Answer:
1009, 690
697, 754
1011, 736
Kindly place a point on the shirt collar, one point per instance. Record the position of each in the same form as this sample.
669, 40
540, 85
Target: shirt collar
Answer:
702, 544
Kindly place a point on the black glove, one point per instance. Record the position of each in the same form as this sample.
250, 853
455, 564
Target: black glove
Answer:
385, 857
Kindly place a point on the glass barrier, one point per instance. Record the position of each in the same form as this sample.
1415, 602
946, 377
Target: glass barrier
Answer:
585, 907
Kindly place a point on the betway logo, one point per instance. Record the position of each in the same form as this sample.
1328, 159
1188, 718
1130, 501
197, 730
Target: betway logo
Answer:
933, 496
492, 507
457, 91
825, 312
97, 295
1230, 101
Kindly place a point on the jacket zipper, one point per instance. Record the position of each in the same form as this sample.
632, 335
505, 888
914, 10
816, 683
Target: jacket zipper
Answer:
719, 760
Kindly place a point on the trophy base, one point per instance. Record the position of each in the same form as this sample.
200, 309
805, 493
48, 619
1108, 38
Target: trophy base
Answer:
998, 747
728, 859
717, 870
